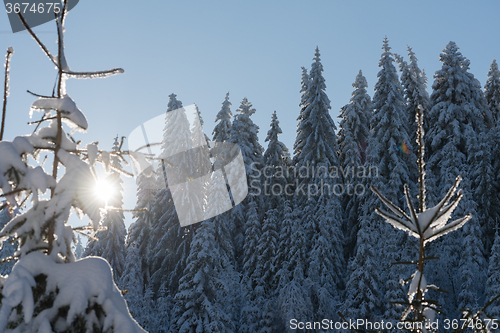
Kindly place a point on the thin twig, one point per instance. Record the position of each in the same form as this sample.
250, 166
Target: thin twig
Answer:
12, 192
421, 162
38, 95
35, 37
10, 51
41, 120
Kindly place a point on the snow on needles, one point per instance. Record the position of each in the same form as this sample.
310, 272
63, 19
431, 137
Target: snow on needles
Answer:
79, 285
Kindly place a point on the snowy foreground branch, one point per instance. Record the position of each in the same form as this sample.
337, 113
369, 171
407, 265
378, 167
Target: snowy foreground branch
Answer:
426, 225
48, 290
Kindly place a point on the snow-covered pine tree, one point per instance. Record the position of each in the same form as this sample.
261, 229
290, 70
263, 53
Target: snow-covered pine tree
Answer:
472, 267
458, 116
293, 299
492, 206
221, 130
169, 244
392, 161
414, 83
353, 139
363, 296
149, 316
483, 182
390, 131
276, 163
304, 97
253, 230
316, 150
224, 225
326, 269
58, 293
164, 305
132, 281
274, 179
492, 90
315, 147
199, 303
316, 141
244, 133
78, 248
458, 107
265, 271
283, 253
139, 231
111, 241
493, 282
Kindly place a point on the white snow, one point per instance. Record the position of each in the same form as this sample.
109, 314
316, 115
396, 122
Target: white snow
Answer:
414, 285
69, 111
140, 163
78, 285
105, 158
46, 138
92, 151
75, 188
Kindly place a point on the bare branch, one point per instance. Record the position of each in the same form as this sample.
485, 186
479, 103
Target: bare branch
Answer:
35, 37
390, 205
94, 75
37, 95
10, 52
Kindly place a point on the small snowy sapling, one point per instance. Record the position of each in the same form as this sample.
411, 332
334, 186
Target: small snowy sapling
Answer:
48, 290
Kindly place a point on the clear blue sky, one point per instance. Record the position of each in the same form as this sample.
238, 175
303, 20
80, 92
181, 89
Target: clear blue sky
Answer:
202, 49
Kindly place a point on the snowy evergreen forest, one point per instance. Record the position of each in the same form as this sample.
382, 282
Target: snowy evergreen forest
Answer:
305, 245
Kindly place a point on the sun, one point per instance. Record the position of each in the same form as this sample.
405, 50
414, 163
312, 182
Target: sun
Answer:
104, 190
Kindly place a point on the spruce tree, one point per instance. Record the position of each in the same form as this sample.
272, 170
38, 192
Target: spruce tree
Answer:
414, 83
458, 117
253, 232
132, 281
316, 150
276, 163
139, 231
244, 133
493, 281
492, 90
169, 244
391, 158
224, 225
199, 305
362, 288
316, 141
483, 180
221, 130
458, 108
353, 140
283, 253
267, 245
